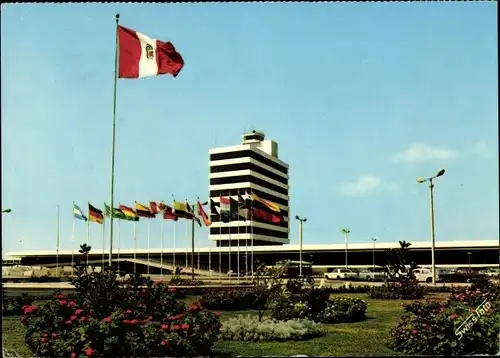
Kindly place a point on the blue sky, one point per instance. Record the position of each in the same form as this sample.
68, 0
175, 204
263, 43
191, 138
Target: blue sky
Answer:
362, 99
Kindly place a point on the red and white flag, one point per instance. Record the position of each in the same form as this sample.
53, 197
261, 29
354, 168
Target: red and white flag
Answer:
140, 56
203, 214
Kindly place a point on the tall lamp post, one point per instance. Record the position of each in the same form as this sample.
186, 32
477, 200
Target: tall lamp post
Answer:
301, 222
374, 239
346, 233
433, 241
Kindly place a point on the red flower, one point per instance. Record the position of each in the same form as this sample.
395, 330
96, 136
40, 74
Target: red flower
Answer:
78, 311
68, 322
171, 289
453, 316
45, 334
133, 321
63, 302
128, 311
163, 342
414, 331
29, 309
60, 296
185, 326
126, 321
72, 304
107, 320
89, 351
164, 327
424, 325
72, 318
54, 334
176, 328
217, 314
83, 319
73, 355
44, 340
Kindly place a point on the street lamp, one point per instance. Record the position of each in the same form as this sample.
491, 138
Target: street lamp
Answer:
346, 233
431, 194
6, 211
301, 221
374, 239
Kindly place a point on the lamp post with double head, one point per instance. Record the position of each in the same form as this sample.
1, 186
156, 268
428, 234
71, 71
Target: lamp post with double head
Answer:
301, 222
431, 194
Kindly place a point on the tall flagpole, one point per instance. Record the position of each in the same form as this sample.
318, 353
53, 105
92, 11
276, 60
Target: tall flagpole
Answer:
238, 217
113, 148
246, 237
149, 243
119, 221
57, 241
220, 240
73, 238
104, 243
135, 247
209, 244
88, 232
173, 255
251, 230
229, 232
161, 243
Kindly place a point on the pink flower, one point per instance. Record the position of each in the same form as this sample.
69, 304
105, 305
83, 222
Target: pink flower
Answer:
424, 325
43, 340
163, 342
171, 289
133, 321
45, 334
453, 316
107, 320
126, 321
29, 309
63, 302
72, 318
68, 322
54, 334
414, 331
89, 351
217, 314
83, 319
73, 355
185, 326
60, 296
164, 327
78, 311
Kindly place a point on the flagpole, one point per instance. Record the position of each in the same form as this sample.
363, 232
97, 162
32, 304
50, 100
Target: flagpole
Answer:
73, 238
135, 247
229, 232
161, 243
186, 243
220, 241
88, 232
209, 245
246, 237
119, 221
113, 148
238, 217
57, 241
149, 243
251, 232
173, 255
104, 243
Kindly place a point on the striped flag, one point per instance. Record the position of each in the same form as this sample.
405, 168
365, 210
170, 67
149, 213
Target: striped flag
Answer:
143, 211
78, 213
129, 213
95, 215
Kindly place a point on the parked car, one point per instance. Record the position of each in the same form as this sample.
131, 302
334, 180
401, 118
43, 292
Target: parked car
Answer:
341, 274
466, 275
491, 273
425, 275
372, 274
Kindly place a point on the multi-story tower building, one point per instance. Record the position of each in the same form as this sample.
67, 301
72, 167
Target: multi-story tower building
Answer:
253, 166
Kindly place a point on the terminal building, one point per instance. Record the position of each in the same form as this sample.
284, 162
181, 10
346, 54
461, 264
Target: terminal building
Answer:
250, 167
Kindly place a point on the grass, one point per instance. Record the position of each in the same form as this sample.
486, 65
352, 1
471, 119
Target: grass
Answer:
367, 338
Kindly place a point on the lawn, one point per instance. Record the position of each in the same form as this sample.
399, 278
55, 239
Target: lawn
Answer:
368, 338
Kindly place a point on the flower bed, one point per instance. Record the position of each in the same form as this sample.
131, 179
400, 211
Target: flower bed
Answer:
344, 309
248, 328
457, 326
106, 319
234, 299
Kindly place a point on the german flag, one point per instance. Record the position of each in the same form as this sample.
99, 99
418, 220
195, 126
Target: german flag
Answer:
129, 213
95, 215
143, 211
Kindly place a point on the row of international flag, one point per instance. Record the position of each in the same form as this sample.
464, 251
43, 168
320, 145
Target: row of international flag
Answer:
246, 207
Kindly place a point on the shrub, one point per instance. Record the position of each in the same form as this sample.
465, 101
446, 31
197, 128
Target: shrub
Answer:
14, 305
409, 289
432, 328
477, 293
45, 278
179, 281
105, 319
351, 289
230, 299
306, 303
248, 328
344, 309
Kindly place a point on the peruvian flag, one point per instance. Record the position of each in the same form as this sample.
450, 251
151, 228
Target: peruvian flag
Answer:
140, 56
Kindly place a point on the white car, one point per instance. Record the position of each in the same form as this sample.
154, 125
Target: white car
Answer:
372, 274
425, 275
341, 274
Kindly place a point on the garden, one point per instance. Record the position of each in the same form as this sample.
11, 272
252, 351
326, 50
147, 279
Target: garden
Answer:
109, 317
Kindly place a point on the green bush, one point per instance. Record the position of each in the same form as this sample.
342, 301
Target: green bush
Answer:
248, 328
45, 278
477, 293
344, 309
106, 319
435, 328
408, 289
179, 281
232, 299
14, 305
